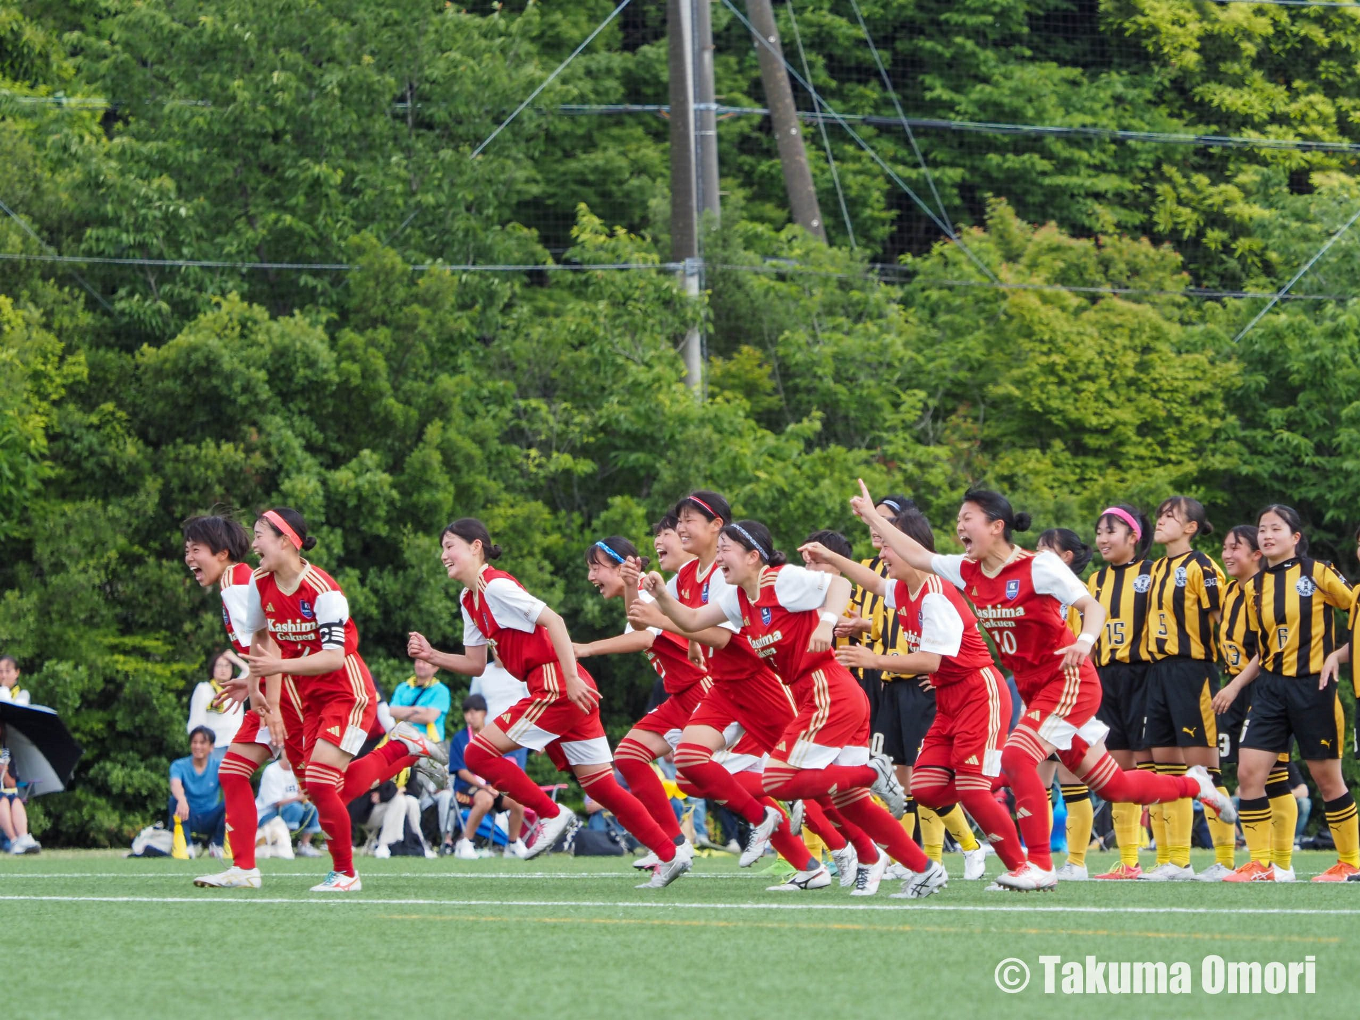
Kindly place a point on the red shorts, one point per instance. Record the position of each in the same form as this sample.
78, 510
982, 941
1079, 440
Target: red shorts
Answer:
832, 725
761, 707
670, 717
339, 707
1062, 709
547, 721
970, 723
254, 731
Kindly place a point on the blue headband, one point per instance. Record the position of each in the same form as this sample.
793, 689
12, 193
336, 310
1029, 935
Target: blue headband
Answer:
612, 554
756, 545
891, 503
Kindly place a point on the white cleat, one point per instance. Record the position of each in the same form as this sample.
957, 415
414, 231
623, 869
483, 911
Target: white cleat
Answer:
1168, 872
418, 744
1215, 873
759, 838
868, 876
796, 813
927, 883
1210, 796
1070, 872
886, 787
975, 863
336, 882
800, 880
465, 851
517, 849
549, 831
647, 863
1283, 874
232, 878
1028, 878
896, 872
382, 851
847, 863
667, 872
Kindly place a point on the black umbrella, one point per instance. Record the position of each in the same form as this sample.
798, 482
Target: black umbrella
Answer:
44, 752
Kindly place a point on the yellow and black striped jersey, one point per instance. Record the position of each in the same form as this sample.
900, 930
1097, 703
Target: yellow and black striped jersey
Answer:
1123, 591
1288, 608
1236, 640
868, 605
1186, 592
895, 642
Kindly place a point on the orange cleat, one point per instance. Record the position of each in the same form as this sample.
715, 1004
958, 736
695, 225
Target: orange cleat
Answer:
1123, 871
1338, 872
1252, 871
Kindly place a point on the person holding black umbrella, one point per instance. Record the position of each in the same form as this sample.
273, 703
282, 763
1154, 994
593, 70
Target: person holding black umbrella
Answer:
13, 814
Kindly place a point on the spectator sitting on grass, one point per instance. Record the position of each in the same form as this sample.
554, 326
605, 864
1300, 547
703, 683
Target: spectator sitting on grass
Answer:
13, 815
9, 682
196, 793
224, 721
474, 793
281, 797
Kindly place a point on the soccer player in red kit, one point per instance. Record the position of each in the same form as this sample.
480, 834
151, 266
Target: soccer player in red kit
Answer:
561, 714
788, 615
1019, 597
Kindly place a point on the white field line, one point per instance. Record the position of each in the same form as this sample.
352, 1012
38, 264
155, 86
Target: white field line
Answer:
631, 873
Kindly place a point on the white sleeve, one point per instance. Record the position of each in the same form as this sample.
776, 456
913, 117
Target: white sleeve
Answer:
1052, 576
236, 601
252, 619
644, 596
948, 567
941, 625
799, 589
673, 586
472, 634
512, 606
198, 706
890, 596
730, 604
332, 613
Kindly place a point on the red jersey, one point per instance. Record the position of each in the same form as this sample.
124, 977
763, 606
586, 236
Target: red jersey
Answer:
234, 588
735, 661
669, 656
1022, 607
938, 619
312, 617
779, 623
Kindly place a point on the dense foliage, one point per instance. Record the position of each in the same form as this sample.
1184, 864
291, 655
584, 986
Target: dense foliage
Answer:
383, 400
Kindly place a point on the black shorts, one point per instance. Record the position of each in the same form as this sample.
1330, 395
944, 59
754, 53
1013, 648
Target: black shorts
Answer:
1230, 727
1123, 703
1285, 706
1180, 704
905, 712
465, 799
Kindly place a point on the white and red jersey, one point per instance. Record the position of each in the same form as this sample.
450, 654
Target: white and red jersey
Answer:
234, 588
669, 656
936, 618
311, 618
778, 625
735, 661
1021, 607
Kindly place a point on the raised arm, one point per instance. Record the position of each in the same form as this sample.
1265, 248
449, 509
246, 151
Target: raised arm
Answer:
858, 573
905, 546
690, 621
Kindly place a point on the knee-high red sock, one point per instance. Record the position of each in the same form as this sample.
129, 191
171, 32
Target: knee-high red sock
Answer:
506, 776
378, 766
816, 820
695, 763
605, 789
322, 783
1138, 787
866, 850
975, 794
933, 787
242, 819
787, 843
1019, 761
789, 783
634, 761
858, 806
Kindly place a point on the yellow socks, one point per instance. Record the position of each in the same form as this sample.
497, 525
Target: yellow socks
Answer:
932, 833
956, 822
909, 819
1080, 817
1341, 819
1254, 817
1157, 820
1284, 816
1224, 835
1126, 818
1180, 820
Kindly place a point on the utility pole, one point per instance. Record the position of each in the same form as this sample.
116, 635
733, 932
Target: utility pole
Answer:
706, 109
684, 176
784, 120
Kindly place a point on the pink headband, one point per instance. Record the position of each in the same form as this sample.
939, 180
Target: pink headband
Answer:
1127, 518
696, 499
282, 525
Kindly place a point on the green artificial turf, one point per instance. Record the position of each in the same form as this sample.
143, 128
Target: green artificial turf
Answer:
91, 934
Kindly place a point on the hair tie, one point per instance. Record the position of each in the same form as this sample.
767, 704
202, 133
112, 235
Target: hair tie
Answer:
288, 533
612, 554
1127, 518
696, 499
758, 548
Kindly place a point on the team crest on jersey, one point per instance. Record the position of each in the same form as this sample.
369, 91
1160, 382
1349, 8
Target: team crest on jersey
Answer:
921, 618
1305, 586
766, 615
703, 594
1180, 577
1012, 589
1142, 584
305, 608
226, 616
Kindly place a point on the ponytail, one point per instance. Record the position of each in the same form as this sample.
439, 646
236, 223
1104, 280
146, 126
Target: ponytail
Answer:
997, 507
1068, 541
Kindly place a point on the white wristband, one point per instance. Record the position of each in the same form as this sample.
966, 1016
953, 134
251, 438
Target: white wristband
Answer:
1086, 639
829, 617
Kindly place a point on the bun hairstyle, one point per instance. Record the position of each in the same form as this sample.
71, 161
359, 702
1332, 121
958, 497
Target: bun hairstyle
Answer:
1145, 528
1246, 533
218, 532
998, 508
1191, 509
613, 552
667, 523
835, 541
295, 521
755, 537
897, 503
470, 530
708, 503
914, 524
1292, 520
1068, 541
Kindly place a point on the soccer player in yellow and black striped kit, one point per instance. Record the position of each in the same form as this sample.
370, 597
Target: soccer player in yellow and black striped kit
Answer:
1290, 606
1182, 646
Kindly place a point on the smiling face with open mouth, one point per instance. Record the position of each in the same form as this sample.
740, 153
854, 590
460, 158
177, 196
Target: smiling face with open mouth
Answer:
205, 565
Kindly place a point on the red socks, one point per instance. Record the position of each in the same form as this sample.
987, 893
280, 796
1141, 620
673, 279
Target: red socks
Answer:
508, 777
605, 789
858, 806
322, 783
378, 766
1136, 787
634, 761
787, 843
242, 818
975, 794
695, 763
789, 783
866, 850
816, 820
1019, 761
